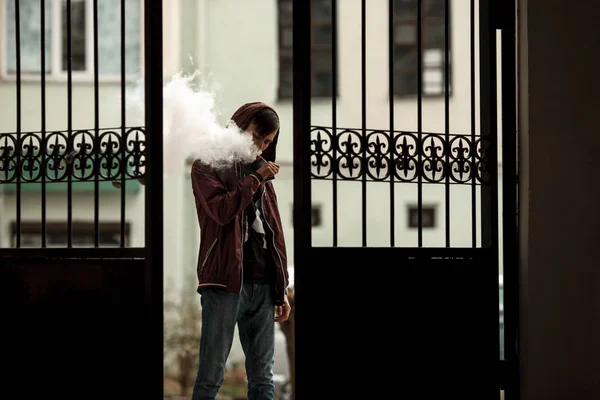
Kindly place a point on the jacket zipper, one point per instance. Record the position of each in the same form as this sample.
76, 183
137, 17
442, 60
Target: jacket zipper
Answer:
242, 253
262, 202
238, 173
210, 249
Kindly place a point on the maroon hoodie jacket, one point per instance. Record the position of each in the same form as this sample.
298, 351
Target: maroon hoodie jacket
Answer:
221, 199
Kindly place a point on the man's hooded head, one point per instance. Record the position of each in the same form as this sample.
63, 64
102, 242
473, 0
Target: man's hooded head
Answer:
263, 122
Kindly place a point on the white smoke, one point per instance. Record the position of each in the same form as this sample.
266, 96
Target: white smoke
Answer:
190, 126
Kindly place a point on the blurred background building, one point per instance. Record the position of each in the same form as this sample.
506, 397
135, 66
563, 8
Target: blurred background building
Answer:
243, 49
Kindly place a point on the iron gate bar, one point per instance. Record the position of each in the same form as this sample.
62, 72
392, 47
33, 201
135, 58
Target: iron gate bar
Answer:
488, 124
363, 38
123, 125
43, 112
96, 129
489, 128
447, 113
510, 201
334, 94
153, 240
473, 128
18, 82
70, 147
391, 102
301, 58
420, 120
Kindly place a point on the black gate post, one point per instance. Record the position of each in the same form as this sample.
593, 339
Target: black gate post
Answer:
510, 371
302, 180
154, 187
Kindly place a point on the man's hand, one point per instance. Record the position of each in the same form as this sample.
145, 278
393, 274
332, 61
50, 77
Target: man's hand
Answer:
269, 170
282, 313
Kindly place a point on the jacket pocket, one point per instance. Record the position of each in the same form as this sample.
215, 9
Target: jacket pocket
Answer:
208, 253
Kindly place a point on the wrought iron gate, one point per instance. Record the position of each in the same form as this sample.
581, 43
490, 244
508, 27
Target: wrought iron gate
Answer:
428, 308
81, 319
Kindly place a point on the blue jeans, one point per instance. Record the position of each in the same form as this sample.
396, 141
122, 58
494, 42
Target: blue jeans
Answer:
254, 311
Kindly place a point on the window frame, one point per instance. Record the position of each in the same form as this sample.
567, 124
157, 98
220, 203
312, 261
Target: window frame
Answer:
316, 216
281, 49
57, 74
61, 228
413, 22
414, 208
281, 26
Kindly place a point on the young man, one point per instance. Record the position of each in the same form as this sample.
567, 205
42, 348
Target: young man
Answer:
242, 263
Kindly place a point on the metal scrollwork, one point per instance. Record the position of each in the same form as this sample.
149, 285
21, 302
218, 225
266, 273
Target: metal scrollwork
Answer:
81, 155
348, 163
378, 155
8, 158
482, 160
31, 166
378, 160
321, 150
135, 153
406, 147
461, 165
433, 166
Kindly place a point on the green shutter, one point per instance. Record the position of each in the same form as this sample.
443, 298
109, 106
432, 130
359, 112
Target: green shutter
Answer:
131, 186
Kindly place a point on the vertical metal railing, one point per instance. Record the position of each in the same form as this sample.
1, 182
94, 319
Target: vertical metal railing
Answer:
420, 147
302, 208
510, 239
473, 126
70, 147
153, 201
448, 145
18, 146
302, 58
363, 69
488, 110
391, 101
43, 117
123, 147
97, 140
334, 94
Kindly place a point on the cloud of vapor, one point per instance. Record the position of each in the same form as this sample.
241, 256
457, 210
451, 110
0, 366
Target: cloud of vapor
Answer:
190, 126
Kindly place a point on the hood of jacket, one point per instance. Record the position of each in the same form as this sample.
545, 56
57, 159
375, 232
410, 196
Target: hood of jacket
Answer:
243, 117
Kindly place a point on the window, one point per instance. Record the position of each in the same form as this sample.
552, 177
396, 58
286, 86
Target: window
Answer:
406, 47
82, 38
428, 216
321, 49
57, 234
315, 216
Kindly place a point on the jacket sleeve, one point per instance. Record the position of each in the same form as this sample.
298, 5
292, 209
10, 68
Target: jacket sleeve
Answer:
220, 203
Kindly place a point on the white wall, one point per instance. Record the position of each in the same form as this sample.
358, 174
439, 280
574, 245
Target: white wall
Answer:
82, 210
